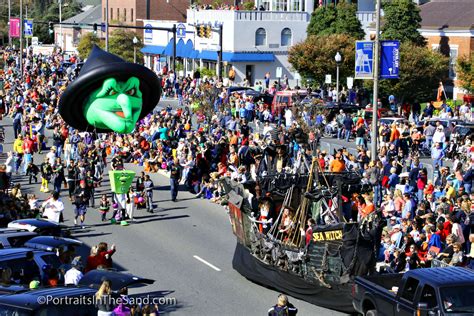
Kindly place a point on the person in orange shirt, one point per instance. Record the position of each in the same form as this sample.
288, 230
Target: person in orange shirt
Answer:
368, 208
234, 140
395, 134
338, 164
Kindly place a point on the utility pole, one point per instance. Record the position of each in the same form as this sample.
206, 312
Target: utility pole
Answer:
174, 50
26, 19
375, 104
60, 25
21, 39
106, 25
9, 26
219, 54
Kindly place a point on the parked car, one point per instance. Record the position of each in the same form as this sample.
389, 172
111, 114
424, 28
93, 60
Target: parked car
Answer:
13, 237
461, 131
34, 302
393, 119
119, 280
52, 243
447, 123
15, 259
431, 291
40, 226
283, 99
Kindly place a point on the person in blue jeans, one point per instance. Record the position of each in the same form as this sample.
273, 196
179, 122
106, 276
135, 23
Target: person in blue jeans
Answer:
348, 124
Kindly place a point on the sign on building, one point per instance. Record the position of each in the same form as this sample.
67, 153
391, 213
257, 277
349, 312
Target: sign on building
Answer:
181, 30
279, 72
14, 27
389, 59
328, 79
350, 82
148, 34
28, 28
364, 60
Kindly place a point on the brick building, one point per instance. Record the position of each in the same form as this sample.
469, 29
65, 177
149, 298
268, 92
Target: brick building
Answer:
132, 12
448, 26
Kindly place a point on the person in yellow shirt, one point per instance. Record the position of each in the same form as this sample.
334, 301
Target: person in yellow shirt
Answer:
18, 150
450, 191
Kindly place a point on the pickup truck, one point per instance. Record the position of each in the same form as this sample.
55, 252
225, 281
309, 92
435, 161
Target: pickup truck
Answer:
421, 292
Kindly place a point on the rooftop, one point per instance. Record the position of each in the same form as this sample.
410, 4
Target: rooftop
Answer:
90, 16
448, 15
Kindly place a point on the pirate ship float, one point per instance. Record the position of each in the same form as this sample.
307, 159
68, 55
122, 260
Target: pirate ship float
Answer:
317, 266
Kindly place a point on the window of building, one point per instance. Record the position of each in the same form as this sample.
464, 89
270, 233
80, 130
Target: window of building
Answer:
296, 5
281, 5
118, 14
124, 14
105, 13
453, 57
286, 37
131, 15
111, 17
260, 37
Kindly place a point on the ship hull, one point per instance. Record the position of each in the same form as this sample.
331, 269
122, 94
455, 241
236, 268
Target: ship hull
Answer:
337, 297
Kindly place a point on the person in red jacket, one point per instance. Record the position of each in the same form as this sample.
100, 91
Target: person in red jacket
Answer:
104, 255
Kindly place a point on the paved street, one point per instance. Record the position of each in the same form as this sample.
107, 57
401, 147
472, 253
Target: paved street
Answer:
186, 247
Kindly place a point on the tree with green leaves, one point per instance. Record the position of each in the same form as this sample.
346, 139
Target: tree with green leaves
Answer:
465, 73
401, 22
86, 43
314, 58
121, 44
48, 11
421, 70
341, 19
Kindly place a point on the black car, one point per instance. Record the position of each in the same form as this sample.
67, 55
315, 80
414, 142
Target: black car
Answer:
40, 226
57, 301
461, 131
118, 280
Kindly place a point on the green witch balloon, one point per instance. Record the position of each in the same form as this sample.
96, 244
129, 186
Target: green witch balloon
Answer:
109, 95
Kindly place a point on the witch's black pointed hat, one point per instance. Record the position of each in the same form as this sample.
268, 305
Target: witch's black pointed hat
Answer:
101, 65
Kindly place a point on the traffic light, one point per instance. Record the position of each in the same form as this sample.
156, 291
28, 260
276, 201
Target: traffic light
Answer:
51, 28
94, 27
202, 31
208, 31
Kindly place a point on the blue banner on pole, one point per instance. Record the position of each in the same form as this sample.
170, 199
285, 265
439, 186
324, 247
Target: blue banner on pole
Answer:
364, 60
28, 28
389, 59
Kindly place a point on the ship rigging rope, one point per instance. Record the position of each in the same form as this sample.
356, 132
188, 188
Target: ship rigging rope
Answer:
301, 213
286, 202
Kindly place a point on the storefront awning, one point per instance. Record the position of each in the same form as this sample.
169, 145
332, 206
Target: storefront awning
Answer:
247, 57
180, 48
236, 57
153, 49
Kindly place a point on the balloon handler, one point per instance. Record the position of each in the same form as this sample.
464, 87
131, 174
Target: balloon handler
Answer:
109, 95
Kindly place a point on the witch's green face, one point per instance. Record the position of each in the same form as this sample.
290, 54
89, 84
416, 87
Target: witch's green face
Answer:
115, 106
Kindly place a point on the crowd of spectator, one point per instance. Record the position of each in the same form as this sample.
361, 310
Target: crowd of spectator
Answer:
214, 133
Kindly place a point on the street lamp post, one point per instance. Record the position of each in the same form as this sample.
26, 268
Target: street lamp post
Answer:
338, 59
375, 104
106, 25
135, 42
60, 25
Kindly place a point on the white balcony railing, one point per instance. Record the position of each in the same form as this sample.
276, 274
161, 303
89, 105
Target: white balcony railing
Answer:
231, 15
366, 16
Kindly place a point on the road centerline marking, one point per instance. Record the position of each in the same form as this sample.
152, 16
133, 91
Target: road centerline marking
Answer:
206, 263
